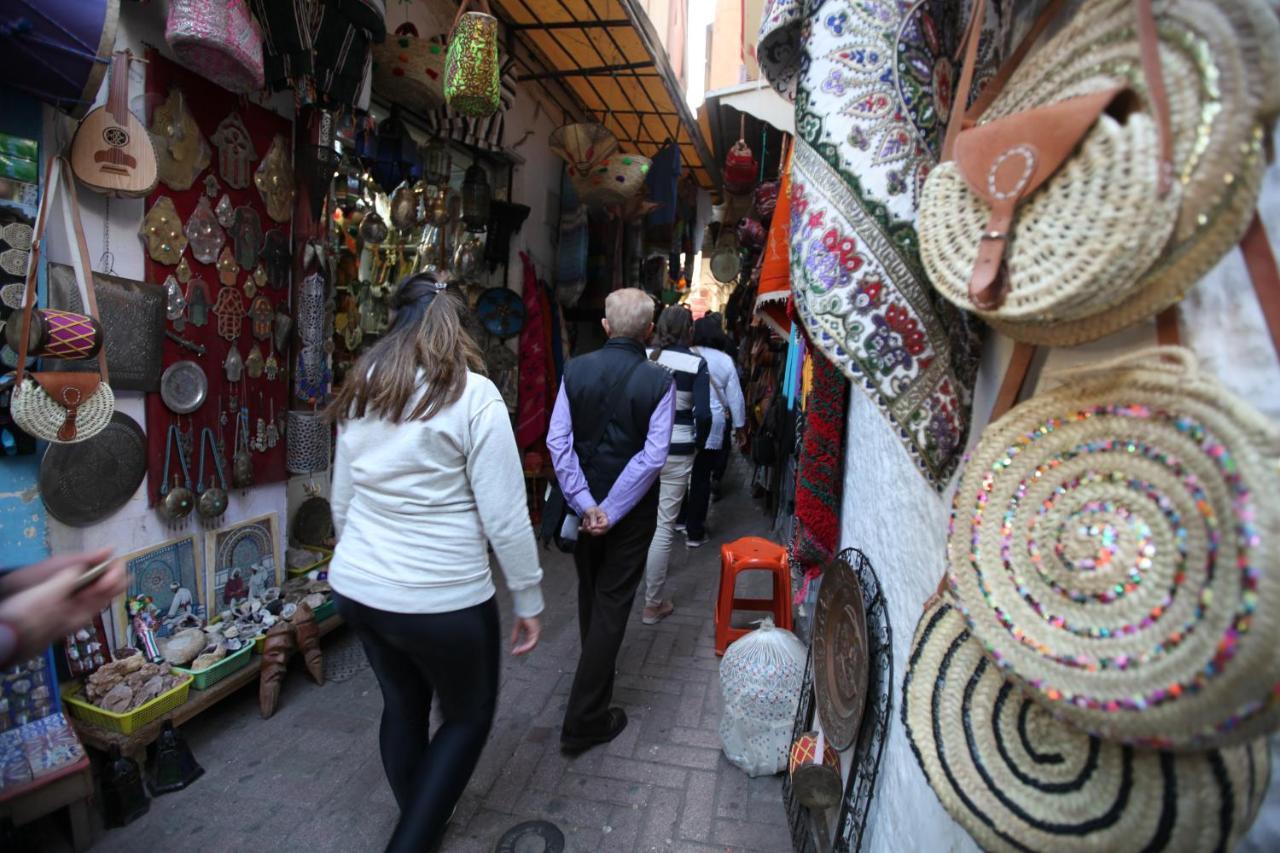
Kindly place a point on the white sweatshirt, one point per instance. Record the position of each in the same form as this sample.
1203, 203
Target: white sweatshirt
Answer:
414, 503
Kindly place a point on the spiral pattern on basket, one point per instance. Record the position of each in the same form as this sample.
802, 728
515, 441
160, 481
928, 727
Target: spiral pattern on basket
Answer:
1113, 544
1017, 779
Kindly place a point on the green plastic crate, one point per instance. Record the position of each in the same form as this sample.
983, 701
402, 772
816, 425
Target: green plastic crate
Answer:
203, 679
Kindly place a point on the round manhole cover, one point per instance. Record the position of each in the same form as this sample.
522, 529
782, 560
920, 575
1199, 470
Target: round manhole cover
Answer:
535, 836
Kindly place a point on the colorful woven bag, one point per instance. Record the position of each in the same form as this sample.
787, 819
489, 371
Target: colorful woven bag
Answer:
409, 70
61, 406
218, 39
1113, 546
472, 84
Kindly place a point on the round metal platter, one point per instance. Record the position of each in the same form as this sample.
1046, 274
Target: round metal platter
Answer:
183, 387
501, 312
85, 482
840, 654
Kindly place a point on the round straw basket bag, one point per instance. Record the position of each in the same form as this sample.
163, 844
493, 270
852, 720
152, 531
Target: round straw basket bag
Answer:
583, 145
1216, 61
1052, 208
409, 70
1115, 546
1017, 780
613, 180
1089, 253
308, 443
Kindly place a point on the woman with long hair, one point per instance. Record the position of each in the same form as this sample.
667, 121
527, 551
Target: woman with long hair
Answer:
425, 470
689, 432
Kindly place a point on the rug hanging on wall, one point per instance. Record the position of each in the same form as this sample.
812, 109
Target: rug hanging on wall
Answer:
820, 481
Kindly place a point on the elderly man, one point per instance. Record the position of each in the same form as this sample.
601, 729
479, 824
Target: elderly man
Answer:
608, 440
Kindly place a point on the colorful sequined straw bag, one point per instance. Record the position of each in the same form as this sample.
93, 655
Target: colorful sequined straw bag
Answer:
1114, 546
472, 85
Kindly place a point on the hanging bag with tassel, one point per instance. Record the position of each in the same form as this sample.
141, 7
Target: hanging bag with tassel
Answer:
63, 406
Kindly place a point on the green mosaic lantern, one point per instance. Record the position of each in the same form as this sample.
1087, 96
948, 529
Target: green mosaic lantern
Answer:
471, 84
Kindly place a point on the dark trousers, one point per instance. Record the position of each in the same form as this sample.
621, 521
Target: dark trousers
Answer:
609, 571
695, 509
728, 447
415, 656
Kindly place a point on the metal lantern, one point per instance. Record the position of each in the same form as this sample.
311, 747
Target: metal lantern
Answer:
476, 197
436, 162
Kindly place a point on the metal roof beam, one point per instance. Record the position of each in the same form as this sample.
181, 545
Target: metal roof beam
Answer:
573, 25
584, 72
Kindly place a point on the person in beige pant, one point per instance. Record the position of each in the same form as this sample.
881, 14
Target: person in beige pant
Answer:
692, 425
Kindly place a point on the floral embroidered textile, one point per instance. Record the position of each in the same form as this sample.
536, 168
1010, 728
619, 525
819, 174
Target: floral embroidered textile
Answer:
873, 95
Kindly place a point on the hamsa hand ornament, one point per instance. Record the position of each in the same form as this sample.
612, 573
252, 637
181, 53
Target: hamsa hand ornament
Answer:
162, 230
274, 179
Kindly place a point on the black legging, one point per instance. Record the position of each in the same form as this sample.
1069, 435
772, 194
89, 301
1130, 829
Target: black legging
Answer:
455, 656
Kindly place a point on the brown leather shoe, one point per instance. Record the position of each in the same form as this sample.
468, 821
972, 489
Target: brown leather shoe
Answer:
275, 663
308, 635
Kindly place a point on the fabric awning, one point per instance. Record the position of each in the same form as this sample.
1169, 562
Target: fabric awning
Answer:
608, 56
758, 99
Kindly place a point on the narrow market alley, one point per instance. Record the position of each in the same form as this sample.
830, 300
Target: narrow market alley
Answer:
310, 779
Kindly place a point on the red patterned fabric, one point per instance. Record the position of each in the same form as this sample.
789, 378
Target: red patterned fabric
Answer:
532, 411
820, 479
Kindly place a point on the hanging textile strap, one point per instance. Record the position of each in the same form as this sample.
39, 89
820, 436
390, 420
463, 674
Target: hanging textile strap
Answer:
1153, 73
208, 441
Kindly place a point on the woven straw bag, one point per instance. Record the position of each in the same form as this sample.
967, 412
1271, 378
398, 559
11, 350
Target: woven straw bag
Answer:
1114, 544
409, 70
1044, 205
583, 145
62, 407
1215, 60
1018, 780
614, 180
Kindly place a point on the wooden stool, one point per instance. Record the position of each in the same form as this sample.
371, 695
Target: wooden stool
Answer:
748, 554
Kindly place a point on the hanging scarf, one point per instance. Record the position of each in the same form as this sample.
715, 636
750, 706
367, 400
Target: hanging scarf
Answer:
775, 266
532, 410
871, 107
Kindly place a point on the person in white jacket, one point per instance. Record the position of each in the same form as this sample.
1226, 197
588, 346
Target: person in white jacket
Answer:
425, 468
728, 409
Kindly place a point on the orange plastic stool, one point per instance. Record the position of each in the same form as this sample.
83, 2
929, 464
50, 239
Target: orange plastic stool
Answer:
748, 554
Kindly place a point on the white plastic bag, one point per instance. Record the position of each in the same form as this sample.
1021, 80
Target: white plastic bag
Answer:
760, 679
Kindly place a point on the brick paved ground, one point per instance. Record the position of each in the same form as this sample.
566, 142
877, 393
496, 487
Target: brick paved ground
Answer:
310, 777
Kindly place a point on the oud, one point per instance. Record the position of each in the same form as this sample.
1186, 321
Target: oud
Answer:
112, 152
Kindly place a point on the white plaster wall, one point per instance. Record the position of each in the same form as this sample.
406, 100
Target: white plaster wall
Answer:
892, 515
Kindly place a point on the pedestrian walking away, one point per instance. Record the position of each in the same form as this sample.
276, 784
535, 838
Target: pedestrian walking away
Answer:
614, 451
728, 411
692, 426
425, 468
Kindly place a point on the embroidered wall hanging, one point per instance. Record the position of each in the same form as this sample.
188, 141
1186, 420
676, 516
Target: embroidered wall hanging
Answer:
872, 101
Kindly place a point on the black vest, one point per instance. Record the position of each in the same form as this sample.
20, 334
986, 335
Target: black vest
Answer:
588, 380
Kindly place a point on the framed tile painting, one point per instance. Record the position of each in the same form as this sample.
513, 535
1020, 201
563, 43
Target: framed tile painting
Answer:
242, 561
169, 575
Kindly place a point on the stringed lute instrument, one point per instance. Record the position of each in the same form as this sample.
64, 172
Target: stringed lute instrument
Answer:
112, 152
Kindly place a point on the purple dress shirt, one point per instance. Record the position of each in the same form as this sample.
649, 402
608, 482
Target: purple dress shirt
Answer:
634, 481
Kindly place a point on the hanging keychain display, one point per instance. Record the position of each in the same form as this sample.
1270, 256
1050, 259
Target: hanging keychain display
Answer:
212, 501
242, 461
273, 432
260, 437
176, 501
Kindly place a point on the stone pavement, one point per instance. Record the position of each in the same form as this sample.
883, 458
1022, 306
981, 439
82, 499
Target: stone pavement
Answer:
310, 778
